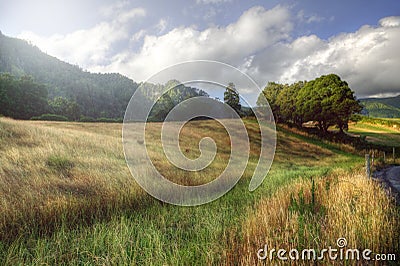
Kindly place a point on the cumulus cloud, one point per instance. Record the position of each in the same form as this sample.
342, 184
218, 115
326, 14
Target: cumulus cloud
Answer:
390, 22
255, 30
368, 58
88, 47
259, 43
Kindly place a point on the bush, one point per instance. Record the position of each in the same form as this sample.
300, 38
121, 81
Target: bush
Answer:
107, 120
86, 119
50, 117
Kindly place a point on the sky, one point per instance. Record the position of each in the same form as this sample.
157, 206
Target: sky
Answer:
282, 41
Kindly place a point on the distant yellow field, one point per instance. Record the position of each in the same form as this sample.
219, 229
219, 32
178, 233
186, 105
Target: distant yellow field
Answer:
378, 134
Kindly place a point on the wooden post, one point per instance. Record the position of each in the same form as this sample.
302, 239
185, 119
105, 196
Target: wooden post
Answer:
384, 157
394, 156
372, 159
367, 166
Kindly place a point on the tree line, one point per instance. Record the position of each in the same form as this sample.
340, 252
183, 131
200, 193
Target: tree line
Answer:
327, 100
24, 98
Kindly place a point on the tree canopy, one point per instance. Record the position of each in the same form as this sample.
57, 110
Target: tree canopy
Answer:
21, 98
326, 100
231, 97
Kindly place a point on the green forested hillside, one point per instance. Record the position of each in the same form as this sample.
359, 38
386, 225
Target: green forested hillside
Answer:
71, 92
382, 107
97, 95
392, 101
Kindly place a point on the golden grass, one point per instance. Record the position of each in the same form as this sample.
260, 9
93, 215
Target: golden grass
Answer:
56, 172
67, 180
348, 206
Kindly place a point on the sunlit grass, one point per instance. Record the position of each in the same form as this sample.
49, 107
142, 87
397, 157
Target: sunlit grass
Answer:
67, 196
376, 134
314, 213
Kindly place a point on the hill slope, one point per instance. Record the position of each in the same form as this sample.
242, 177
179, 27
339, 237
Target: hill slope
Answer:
98, 95
393, 101
382, 107
378, 109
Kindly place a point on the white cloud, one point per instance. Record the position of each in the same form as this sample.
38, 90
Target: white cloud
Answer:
390, 22
88, 47
368, 59
259, 43
138, 35
255, 30
161, 26
302, 17
116, 7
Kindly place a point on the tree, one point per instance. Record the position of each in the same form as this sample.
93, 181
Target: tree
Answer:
65, 107
161, 108
231, 97
286, 100
22, 98
327, 100
271, 92
7, 83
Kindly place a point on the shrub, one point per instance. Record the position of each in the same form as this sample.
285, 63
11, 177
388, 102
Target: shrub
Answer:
106, 120
86, 119
50, 117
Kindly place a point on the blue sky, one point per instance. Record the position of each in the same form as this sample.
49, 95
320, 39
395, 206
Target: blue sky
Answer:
280, 41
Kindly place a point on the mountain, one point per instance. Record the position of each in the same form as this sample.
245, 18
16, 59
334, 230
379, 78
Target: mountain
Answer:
392, 101
34, 85
382, 107
97, 95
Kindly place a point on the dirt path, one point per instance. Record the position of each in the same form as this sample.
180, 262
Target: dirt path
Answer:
391, 178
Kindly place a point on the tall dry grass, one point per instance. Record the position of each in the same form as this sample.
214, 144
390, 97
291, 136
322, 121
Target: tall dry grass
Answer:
57, 173
304, 215
67, 197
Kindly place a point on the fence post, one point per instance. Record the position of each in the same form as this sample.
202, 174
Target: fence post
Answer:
367, 166
384, 157
372, 159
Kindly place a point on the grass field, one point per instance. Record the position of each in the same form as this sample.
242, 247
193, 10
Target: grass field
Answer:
392, 119
67, 197
376, 133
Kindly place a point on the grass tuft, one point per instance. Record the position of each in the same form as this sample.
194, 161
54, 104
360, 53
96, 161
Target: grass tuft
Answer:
60, 164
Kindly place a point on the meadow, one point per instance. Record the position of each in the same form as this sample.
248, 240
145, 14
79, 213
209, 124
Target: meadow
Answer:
68, 198
377, 132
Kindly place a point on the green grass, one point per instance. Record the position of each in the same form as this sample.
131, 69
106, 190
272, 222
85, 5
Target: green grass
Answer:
98, 215
377, 133
392, 119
